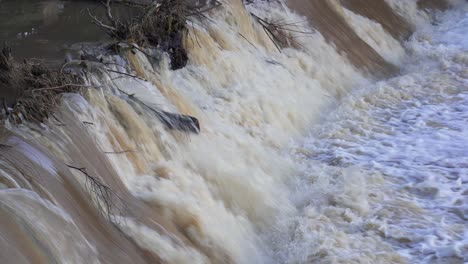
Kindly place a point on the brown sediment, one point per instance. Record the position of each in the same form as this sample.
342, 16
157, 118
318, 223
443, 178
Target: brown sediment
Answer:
63, 189
433, 4
182, 104
326, 18
382, 13
90, 156
69, 195
118, 141
15, 245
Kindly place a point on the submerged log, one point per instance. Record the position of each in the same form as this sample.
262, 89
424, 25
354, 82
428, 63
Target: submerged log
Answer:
172, 121
180, 122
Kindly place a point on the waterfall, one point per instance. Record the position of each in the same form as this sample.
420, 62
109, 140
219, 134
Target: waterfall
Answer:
105, 180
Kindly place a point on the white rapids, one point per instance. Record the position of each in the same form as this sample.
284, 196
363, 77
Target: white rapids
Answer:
385, 176
301, 157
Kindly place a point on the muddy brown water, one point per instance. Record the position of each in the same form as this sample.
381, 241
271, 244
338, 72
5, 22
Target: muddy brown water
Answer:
47, 29
327, 19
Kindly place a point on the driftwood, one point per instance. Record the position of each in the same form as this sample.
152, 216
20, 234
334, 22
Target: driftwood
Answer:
38, 88
173, 121
161, 24
170, 120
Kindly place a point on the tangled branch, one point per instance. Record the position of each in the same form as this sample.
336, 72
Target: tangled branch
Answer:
39, 88
281, 33
160, 24
104, 197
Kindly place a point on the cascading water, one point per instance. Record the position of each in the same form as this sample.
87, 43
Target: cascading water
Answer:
384, 176
302, 157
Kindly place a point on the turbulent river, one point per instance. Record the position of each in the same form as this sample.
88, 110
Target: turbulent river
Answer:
349, 144
384, 175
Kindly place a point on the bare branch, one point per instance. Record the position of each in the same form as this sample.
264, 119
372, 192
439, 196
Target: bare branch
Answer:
105, 198
99, 23
107, 4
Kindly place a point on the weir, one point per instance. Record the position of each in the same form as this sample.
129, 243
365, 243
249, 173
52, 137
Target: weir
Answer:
147, 164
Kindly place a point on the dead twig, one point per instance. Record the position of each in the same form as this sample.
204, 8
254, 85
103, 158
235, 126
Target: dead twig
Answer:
39, 88
161, 24
281, 33
105, 198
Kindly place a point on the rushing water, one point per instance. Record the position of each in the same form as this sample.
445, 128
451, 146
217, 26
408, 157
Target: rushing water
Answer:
303, 157
385, 175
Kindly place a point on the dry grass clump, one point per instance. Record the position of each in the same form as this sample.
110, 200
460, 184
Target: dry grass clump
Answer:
38, 88
160, 24
9, 87
283, 34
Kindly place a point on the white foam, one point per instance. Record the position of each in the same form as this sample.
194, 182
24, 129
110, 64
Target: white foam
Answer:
32, 153
409, 10
374, 34
399, 147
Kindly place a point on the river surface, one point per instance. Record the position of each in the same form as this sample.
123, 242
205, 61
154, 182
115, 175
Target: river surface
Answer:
398, 155
47, 29
345, 143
